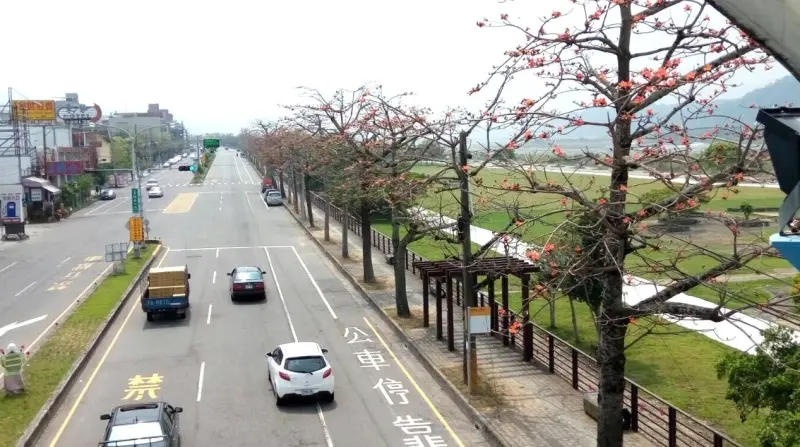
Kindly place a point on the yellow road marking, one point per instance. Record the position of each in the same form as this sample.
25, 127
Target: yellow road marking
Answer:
94, 258
96, 370
416, 386
181, 204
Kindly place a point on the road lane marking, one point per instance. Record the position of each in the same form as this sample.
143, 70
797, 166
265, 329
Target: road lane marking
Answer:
416, 385
208, 319
62, 262
200, 381
97, 208
217, 253
280, 294
182, 203
94, 258
321, 417
244, 167
8, 266
247, 199
162, 258
26, 288
16, 325
85, 389
119, 202
214, 277
314, 283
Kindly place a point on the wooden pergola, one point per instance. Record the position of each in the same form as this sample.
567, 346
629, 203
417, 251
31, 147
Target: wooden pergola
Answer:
490, 268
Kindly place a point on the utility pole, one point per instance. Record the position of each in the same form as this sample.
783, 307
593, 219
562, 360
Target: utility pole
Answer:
469, 295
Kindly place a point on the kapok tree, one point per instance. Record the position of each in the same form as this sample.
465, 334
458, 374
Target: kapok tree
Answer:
650, 66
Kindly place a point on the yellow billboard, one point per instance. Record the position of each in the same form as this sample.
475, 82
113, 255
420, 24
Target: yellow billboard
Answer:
29, 110
136, 229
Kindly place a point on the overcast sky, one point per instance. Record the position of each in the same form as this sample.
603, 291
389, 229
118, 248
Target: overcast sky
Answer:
220, 65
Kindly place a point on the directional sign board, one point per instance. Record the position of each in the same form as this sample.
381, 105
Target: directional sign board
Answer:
136, 228
211, 143
135, 200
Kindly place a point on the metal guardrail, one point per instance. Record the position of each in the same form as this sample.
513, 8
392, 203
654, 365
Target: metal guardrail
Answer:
651, 416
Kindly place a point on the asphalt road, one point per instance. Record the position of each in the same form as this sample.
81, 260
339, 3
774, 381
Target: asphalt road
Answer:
212, 363
40, 278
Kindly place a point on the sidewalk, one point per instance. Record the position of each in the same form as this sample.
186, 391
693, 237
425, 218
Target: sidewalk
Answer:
522, 404
739, 331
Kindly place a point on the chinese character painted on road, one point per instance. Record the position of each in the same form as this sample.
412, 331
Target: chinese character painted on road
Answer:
72, 275
59, 286
84, 266
424, 441
355, 335
94, 259
393, 387
371, 359
413, 426
138, 386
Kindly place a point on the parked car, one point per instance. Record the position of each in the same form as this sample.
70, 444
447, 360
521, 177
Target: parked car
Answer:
273, 197
108, 194
247, 282
300, 369
153, 423
155, 191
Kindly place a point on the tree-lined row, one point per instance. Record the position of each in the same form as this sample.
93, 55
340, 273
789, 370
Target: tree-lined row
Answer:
360, 148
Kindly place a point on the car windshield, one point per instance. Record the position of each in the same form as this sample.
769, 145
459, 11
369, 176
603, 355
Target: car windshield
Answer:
274, 194
247, 276
152, 182
307, 364
135, 434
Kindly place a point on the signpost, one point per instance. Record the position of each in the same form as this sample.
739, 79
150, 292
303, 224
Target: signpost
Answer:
212, 143
135, 200
136, 229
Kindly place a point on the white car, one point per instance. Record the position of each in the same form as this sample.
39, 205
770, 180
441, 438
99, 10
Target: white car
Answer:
300, 369
155, 191
166, 164
152, 183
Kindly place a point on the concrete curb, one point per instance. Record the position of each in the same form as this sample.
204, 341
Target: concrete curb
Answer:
50, 408
446, 385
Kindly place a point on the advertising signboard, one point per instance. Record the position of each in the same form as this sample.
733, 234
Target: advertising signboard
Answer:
36, 194
64, 167
12, 208
80, 112
33, 111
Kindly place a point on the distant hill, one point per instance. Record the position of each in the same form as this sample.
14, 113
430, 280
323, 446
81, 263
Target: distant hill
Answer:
782, 92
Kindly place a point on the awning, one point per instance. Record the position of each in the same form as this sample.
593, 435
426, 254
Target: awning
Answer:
36, 182
51, 188
775, 24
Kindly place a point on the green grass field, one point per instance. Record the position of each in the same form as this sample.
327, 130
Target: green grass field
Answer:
48, 366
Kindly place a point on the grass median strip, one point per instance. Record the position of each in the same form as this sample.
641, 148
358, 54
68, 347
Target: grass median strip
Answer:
47, 368
203, 168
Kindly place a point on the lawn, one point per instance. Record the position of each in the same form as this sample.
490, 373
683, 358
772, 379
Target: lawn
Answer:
673, 363
48, 366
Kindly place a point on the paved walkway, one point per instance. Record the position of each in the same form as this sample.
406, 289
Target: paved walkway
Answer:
524, 404
739, 331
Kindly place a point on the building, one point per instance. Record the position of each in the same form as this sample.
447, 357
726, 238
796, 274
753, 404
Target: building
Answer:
158, 122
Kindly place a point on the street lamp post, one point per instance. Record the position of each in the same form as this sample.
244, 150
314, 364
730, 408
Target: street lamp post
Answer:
133, 136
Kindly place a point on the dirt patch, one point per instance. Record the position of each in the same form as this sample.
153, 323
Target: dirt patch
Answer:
381, 283
487, 399
406, 323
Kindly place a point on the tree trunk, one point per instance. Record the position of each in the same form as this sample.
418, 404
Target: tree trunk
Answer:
345, 232
399, 247
553, 314
294, 192
283, 188
301, 198
327, 221
366, 244
309, 208
611, 360
575, 333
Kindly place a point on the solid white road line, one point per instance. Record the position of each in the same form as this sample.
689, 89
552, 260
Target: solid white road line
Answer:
119, 202
200, 381
62, 262
214, 276
321, 416
314, 283
246, 171
208, 319
247, 199
280, 294
241, 179
8, 266
218, 252
166, 253
97, 208
26, 288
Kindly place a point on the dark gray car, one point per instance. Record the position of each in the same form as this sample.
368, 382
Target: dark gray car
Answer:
155, 424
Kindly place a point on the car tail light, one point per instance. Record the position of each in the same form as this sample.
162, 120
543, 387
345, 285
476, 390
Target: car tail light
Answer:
259, 285
285, 376
327, 373
238, 287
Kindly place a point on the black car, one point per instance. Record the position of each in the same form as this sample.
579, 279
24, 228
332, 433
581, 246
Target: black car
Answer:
247, 282
108, 194
153, 424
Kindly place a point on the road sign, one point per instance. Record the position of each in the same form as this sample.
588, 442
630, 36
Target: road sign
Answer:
210, 143
136, 229
135, 200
